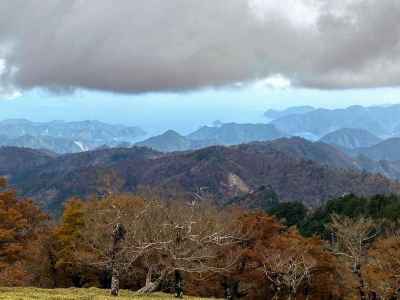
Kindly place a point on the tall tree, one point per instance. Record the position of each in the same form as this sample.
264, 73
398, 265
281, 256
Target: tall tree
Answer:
69, 242
351, 240
22, 223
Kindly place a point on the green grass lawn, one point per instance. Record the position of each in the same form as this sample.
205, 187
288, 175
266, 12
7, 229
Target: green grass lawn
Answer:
76, 294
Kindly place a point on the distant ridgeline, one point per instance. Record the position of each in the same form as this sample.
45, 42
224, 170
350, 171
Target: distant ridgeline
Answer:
66, 137
381, 121
251, 175
354, 130
356, 152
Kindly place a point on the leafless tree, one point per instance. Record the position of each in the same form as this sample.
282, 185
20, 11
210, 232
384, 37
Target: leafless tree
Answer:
167, 238
352, 239
288, 270
189, 237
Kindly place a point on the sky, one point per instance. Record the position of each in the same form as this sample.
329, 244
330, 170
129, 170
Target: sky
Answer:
181, 64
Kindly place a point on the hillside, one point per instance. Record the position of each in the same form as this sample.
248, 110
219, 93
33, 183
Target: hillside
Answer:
220, 134
167, 142
294, 169
171, 141
351, 138
14, 160
234, 134
385, 150
56, 144
300, 148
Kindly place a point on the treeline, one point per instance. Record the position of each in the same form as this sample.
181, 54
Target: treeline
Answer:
382, 209
349, 249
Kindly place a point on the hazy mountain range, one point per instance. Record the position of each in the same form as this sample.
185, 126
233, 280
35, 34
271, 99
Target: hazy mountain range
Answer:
65, 137
352, 128
351, 138
382, 121
222, 134
276, 114
247, 163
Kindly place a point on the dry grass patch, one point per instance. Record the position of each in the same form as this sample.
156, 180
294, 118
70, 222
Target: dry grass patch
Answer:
77, 294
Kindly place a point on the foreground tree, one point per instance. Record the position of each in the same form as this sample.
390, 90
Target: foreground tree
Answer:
108, 238
351, 240
22, 225
125, 236
257, 231
274, 261
295, 266
69, 244
288, 267
383, 270
186, 238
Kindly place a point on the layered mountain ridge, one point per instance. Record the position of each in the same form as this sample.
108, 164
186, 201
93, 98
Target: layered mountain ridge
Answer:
294, 169
65, 137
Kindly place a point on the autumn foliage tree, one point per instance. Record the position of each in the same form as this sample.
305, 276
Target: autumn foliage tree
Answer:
146, 243
23, 228
382, 272
68, 243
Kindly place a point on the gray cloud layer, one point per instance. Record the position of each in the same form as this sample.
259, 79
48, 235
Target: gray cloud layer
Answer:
157, 45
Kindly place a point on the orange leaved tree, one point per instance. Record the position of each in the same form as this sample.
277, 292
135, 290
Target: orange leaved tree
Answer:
22, 225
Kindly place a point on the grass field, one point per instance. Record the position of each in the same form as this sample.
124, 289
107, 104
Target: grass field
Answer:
76, 294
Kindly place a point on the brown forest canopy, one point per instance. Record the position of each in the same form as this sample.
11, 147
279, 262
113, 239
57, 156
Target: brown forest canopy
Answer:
166, 244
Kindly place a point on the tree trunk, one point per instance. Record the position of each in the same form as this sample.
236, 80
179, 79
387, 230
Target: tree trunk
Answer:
115, 282
118, 236
232, 290
178, 284
53, 268
361, 284
307, 292
152, 286
276, 289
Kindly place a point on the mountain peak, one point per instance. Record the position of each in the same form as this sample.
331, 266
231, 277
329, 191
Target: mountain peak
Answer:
171, 133
351, 138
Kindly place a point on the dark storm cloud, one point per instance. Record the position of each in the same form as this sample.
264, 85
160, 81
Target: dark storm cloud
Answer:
156, 45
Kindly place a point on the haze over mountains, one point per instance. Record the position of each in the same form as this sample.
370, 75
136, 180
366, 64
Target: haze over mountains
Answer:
356, 151
222, 134
65, 137
276, 114
351, 138
382, 121
351, 128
